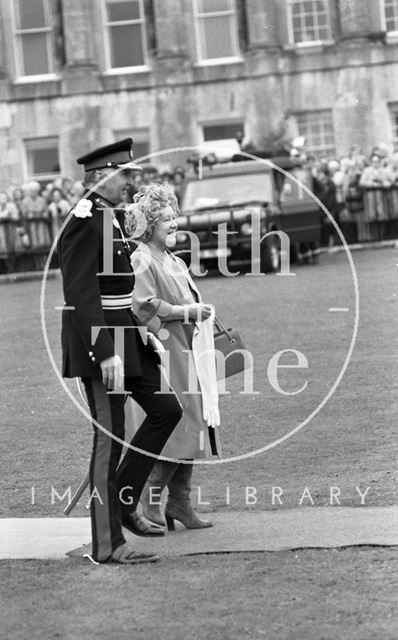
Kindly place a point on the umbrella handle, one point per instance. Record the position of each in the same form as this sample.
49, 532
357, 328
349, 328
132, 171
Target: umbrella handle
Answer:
78, 494
86, 481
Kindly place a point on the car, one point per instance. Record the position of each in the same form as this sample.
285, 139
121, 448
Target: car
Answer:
226, 205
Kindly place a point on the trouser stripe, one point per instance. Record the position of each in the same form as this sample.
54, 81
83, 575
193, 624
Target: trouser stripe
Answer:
102, 518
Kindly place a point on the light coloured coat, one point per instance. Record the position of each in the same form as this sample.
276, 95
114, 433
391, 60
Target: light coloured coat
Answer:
158, 298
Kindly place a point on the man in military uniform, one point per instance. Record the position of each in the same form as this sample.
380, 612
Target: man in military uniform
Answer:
98, 281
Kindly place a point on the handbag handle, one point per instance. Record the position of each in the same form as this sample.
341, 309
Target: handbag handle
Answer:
221, 329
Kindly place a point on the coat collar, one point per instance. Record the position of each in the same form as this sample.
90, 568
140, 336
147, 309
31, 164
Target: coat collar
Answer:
159, 256
100, 201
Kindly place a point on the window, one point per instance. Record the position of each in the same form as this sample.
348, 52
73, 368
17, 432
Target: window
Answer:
222, 138
309, 21
141, 141
125, 24
42, 155
226, 131
228, 189
391, 14
394, 122
317, 129
216, 29
34, 37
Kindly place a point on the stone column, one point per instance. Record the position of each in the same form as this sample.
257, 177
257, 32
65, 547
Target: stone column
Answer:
358, 106
262, 24
82, 131
3, 70
4, 77
169, 28
170, 64
81, 71
79, 39
354, 18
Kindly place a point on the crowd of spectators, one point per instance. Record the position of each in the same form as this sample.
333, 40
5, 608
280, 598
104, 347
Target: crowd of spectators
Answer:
34, 212
175, 178
361, 193
44, 206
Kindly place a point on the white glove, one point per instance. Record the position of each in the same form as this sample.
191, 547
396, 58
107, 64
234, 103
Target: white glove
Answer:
211, 414
206, 370
155, 343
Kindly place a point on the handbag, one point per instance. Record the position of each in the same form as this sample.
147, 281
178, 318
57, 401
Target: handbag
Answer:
228, 342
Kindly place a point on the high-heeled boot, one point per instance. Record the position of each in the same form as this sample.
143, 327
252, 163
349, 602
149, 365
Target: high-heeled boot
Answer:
157, 479
178, 505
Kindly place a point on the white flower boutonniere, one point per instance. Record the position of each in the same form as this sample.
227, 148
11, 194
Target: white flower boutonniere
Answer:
82, 209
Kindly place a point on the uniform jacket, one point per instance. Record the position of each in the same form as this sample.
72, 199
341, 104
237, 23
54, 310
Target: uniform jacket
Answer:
81, 258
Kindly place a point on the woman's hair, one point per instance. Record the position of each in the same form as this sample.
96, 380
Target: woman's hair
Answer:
149, 202
18, 192
57, 190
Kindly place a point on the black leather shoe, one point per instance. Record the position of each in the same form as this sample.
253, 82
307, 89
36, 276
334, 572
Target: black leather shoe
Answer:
125, 555
140, 526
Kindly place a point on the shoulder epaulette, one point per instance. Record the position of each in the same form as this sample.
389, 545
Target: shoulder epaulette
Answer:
102, 203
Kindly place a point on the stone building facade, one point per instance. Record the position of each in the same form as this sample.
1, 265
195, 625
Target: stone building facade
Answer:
75, 74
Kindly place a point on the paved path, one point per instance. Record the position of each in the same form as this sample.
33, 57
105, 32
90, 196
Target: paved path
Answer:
303, 527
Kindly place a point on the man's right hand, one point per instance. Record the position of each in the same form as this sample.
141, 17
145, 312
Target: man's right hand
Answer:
112, 373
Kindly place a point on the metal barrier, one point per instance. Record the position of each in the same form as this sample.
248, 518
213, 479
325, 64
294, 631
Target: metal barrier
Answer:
370, 214
376, 214
24, 244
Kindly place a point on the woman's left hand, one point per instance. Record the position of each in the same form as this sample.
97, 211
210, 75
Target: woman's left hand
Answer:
205, 311
199, 311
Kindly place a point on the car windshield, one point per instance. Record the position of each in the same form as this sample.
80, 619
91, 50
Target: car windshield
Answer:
227, 190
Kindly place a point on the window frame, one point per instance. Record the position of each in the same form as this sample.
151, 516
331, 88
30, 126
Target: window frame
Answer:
393, 111
199, 18
390, 34
109, 70
319, 150
139, 135
310, 43
222, 147
40, 177
239, 122
18, 34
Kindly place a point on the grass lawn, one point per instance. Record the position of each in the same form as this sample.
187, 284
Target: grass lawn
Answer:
351, 442
292, 595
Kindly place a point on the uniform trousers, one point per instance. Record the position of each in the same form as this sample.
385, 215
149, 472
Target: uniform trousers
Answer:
116, 485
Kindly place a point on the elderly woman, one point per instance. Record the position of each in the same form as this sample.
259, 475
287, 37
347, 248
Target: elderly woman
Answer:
58, 209
376, 180
8, 209
167, 301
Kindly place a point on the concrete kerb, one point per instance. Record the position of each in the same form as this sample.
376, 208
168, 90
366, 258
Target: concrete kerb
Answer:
233, 532
381, 244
